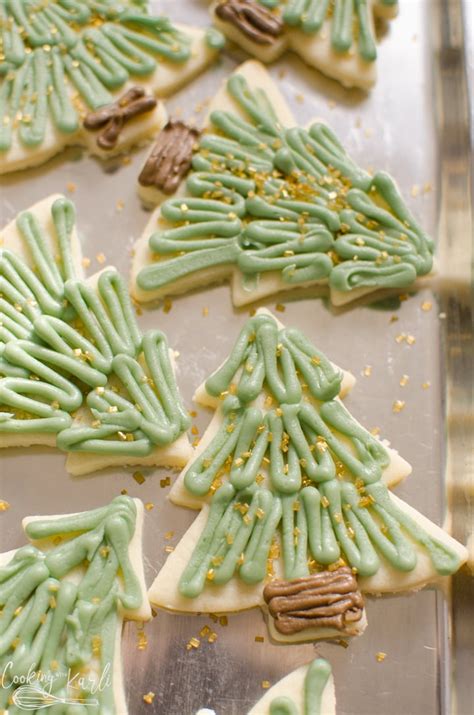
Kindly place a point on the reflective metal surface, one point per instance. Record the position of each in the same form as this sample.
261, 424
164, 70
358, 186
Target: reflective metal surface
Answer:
414, 124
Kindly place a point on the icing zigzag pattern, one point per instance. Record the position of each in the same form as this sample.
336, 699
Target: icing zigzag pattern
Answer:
280, 208
64, 599
70, 345
297, 514
337, 37
60, 59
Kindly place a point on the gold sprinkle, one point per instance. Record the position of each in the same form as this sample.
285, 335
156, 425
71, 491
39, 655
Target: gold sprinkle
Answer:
398, 405
138, 477
212, 637
265, 684
426, 306
167, 305
324, 502
149, 697
205, 312
142, 640
86, 262
100, 258
404, 380
223, 621
193, 643
367, 371
280, 307
71, 187
169, 535
426, 385
4, 505
259, 639
169, 549
149, 505
120, 205
380, 656
411, 339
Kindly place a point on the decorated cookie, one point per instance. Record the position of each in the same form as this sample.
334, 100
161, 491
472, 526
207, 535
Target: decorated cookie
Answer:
337, 37
75, 370
309, 690
272, 207
296, 516
86, 72
64, 599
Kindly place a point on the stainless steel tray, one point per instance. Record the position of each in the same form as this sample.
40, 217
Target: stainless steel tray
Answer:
414, 124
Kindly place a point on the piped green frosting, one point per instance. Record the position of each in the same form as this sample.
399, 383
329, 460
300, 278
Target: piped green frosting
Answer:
60, 58
290, 202
62, 604
290, 472
66, 345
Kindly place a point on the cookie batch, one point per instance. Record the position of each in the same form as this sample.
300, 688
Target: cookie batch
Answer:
295, 509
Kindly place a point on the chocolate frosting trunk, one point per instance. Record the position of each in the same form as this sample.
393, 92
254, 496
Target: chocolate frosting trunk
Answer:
113, 117
171, 157
254, 20
329, 599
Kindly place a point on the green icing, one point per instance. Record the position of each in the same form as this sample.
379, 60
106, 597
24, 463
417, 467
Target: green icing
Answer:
290, 460
48, 49
316, 679
65, 345
350, 21
215, 39
264, 199
60, 628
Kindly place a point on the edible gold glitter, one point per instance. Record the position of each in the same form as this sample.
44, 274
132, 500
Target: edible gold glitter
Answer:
149, 697
398, 406
380, 656
138, 477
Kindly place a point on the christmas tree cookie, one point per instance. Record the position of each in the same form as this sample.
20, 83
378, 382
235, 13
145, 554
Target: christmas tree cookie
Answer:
296, 516
271, 207
75, 370
309, 690
86, 72
64, 598
337, 37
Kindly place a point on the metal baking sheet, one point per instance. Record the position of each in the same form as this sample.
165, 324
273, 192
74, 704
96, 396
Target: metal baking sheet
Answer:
414, 124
